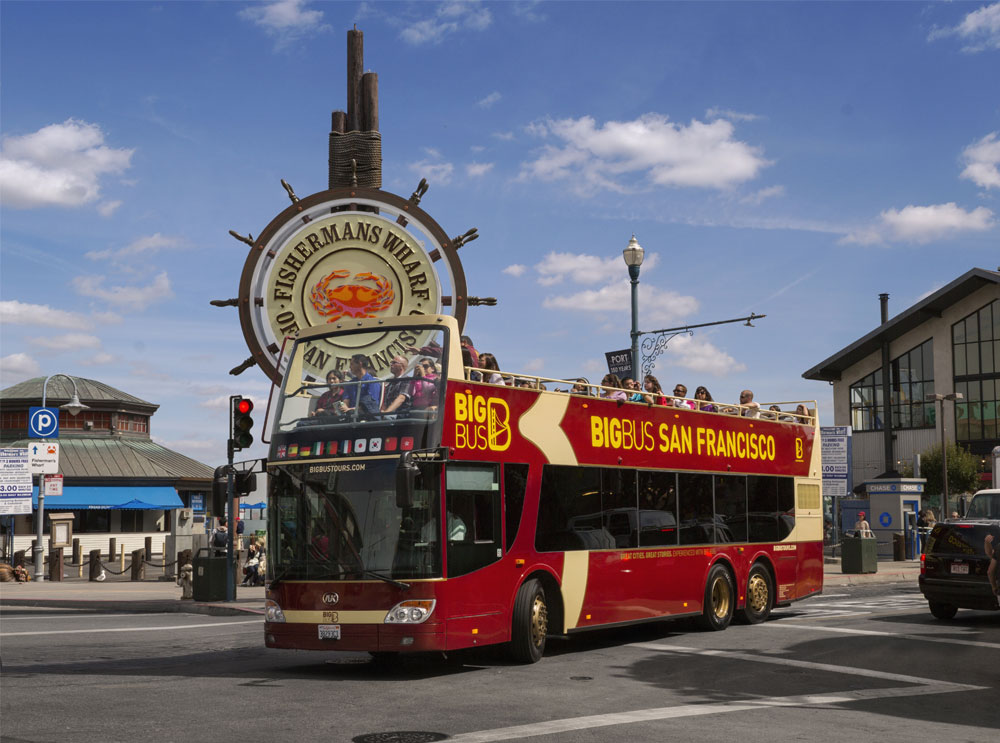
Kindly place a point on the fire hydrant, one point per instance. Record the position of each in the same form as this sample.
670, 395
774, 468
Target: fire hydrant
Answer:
185, 579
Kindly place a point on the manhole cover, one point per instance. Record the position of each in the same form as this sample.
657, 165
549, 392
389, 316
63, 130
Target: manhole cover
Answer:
400, 736
581, 678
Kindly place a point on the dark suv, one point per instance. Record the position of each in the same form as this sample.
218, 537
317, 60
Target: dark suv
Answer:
953, 568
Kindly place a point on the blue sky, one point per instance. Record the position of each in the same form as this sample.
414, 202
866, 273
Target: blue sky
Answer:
788, 159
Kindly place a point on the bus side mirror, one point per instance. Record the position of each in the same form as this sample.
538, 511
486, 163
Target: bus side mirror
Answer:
406, 478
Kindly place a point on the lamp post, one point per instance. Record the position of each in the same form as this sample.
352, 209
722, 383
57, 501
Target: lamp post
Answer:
633, 255
939, 398
74, 406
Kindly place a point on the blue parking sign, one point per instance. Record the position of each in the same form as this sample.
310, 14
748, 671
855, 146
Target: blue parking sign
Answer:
43, 423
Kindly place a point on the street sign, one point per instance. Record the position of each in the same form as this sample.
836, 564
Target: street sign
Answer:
835, 450
53, 485
43, 423
15, 482
43, 457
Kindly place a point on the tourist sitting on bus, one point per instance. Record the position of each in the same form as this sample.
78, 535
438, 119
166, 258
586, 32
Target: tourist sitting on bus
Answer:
654, 392
467, 344
748, 408
363, 398
704, 400
772, 413
488, 362
632, 390
398, 391
430, 369
334, 399
802, 413
424, 391
471, 367
614, 385
581, 387
679, 400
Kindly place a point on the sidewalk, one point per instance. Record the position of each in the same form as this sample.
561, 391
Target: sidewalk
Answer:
162, 597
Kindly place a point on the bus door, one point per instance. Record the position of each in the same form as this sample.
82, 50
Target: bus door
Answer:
472, 503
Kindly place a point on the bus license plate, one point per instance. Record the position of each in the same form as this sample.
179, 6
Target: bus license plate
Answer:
329, 631
960, 567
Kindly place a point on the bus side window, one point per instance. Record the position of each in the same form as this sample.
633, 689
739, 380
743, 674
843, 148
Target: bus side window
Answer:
515, 481
473, 506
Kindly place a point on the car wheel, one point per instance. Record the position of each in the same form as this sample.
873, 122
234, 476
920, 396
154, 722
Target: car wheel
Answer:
720, 599
943, 611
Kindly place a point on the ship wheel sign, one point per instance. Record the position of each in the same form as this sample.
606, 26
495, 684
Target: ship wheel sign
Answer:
345, 253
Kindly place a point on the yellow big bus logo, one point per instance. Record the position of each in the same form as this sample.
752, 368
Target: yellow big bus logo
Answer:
481, 423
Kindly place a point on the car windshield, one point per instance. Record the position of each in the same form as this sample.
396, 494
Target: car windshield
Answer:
984, 506
339, 521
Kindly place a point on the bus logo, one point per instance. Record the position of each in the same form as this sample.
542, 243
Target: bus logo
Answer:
331, 598
481, 422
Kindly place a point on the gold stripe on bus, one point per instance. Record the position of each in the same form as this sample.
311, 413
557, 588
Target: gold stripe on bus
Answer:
574, 586
330, 616
540, 425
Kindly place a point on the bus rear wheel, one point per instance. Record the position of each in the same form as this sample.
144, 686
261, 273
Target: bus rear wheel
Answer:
530, 623
720, 599
760, 595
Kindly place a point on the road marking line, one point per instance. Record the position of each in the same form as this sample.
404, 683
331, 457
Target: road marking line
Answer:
876, 633
129, 629
921, 687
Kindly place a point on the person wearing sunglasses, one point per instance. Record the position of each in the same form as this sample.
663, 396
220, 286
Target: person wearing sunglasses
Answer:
704, 400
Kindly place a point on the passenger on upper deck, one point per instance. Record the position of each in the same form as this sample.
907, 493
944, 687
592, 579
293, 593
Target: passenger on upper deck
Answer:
654, 392
632, 390
681, 391
398, 392
333, 400
704, 400
581, 387
803, 411
750, 408
616, 392
467, 361
488, 362
424, 390
473, 353
363, 397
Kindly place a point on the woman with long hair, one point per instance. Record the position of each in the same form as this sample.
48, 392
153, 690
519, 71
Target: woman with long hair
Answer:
704, 400
616, 392
488, 362
654, 392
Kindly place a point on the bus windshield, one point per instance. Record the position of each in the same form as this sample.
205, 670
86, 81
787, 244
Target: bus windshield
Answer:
343, 522
332, 382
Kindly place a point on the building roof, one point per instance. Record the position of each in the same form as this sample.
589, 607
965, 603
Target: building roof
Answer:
122, 458
59, 390
829, 370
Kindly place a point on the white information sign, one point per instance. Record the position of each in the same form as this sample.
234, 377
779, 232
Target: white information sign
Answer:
835, 449
15, 482
53, 485
43, 457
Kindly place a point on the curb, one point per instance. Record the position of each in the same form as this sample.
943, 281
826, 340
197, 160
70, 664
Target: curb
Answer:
172, 606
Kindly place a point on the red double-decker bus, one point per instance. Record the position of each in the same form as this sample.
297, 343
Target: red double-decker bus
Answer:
414, 509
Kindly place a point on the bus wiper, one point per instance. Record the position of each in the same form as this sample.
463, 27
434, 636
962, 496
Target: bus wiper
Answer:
398, 584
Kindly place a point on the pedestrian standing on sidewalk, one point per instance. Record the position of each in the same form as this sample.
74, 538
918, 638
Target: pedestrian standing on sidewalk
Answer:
861, 527
219, 540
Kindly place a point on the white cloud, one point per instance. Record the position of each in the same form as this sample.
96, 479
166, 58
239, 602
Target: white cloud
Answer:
699, 355
533, 365
59, 165
724, 113
107, 318
436, 173
130, 297
286, 21
922, 224
503, 136
980, 30
13, 312
981, 159
490, 100
16, 367
107, 208
659, 307
476, 170
515, 269
67, 341
592, 157
221, 402
98, 359
527, 10
584, 269
449, 18
142, 245
758, 197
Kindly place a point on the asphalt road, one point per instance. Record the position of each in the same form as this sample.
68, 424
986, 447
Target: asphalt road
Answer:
857, 664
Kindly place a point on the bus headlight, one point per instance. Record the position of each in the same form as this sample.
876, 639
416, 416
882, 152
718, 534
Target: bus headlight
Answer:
273, 612
413, 611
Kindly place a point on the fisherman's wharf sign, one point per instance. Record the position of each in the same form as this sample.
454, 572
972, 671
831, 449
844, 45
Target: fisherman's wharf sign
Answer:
340, 255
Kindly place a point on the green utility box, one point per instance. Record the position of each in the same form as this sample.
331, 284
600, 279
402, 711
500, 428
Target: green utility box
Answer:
209, 576
859, 555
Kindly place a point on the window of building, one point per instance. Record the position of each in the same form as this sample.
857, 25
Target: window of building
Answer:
911, 378
976, 354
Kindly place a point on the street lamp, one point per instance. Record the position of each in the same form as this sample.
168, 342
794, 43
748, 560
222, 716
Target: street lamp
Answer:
937, 397
74, 406
633, 255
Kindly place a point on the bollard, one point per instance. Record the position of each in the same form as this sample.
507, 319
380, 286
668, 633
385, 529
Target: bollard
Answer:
138, 566
121, 560
19, 558
163, 551
149, 549
112, 549
78, 557
95, 565
56, 563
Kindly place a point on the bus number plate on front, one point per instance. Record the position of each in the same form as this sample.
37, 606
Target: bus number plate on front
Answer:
329, 631
960, 567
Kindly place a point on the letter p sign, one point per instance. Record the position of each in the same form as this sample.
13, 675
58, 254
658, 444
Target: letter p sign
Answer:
43, 423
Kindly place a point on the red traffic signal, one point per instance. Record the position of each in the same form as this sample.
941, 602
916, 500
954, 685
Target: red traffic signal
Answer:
240, 422
244, 405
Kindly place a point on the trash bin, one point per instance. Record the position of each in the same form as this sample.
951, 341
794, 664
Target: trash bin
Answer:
859, 555
209, 578
898, 547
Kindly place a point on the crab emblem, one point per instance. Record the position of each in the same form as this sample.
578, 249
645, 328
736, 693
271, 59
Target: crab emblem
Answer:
351, 300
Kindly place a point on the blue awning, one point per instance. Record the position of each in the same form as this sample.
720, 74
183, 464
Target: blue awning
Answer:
84, 498
246, 506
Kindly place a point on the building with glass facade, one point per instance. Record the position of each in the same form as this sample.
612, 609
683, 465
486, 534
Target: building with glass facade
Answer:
948, 342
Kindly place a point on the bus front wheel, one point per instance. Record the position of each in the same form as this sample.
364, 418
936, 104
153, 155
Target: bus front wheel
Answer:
530, 623
720, 599
760, 595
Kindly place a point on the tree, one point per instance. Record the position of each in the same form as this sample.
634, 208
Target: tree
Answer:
963, 470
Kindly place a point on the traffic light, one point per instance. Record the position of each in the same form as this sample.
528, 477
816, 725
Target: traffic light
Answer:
219, 491
245, 483
241, 422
